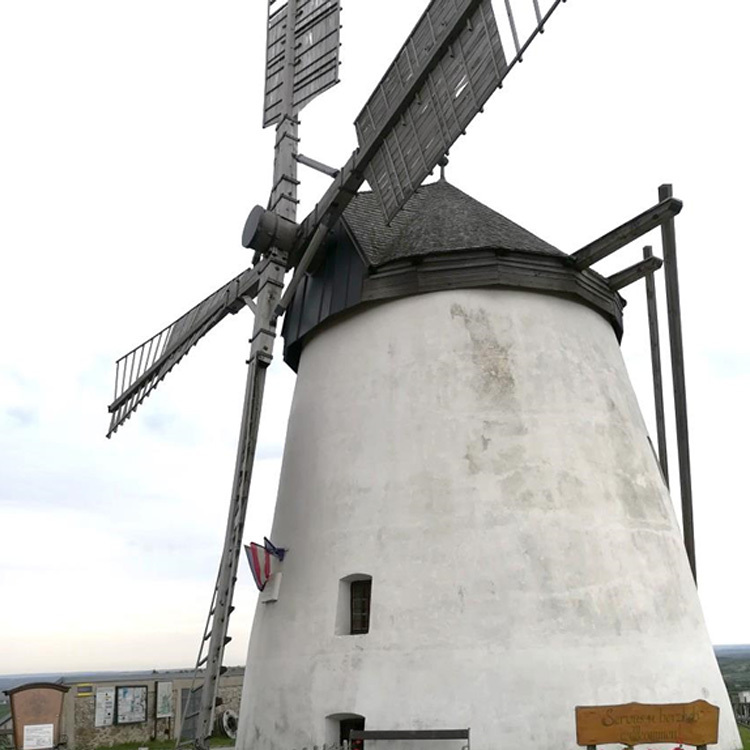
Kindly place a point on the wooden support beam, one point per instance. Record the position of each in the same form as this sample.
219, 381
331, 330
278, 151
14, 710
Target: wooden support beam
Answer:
678, 378
634, 273
315, 164
626, 233
653, 330
409, 734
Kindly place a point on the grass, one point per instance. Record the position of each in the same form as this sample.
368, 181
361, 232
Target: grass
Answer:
745, 734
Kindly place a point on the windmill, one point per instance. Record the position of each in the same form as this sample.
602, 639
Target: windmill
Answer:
457, 55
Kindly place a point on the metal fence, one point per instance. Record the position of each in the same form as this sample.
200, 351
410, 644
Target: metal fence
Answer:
742, 713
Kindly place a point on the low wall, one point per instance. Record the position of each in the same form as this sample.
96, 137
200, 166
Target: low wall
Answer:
79, 712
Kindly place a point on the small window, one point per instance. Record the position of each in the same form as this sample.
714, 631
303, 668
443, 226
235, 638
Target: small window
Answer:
353, 609
360, 606
345, 728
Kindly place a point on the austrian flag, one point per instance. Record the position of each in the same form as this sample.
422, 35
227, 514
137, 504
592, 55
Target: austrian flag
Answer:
260, 559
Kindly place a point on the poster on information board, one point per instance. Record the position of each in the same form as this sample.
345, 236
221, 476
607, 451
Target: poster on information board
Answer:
38, 736
130, 704
164, 702
104, 711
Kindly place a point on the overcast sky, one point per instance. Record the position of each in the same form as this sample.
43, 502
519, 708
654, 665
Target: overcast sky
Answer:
131, 153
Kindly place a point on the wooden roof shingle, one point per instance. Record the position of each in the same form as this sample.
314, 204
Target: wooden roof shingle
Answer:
438, 218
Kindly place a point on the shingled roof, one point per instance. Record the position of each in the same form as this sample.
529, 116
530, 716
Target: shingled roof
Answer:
438, 218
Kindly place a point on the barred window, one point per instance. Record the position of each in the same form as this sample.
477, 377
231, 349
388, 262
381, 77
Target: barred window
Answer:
353, 605
360, 606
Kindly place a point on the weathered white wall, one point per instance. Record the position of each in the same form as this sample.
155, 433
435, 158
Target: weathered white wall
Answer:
481, 454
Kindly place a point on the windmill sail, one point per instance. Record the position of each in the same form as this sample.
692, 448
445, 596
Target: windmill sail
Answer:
315, 51
452, 93
141, 370
448, 96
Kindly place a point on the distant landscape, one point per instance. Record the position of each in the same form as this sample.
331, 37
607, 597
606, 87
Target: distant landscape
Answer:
8, 681
734, 663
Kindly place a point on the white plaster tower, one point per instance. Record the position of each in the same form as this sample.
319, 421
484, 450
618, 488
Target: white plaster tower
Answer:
478, 531
479, 536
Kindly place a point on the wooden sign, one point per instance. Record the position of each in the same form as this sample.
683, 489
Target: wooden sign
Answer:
695, 723
36, 709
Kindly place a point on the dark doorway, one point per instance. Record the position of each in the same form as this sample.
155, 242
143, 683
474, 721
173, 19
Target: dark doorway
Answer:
347, 725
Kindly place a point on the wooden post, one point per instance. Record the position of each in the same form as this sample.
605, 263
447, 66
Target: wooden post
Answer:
271, 283
653, 330
284, 193
678, 379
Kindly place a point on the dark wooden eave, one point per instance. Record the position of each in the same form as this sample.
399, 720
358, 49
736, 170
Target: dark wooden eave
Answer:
492, 267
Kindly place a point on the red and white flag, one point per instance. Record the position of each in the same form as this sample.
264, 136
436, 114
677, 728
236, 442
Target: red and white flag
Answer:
261, 559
